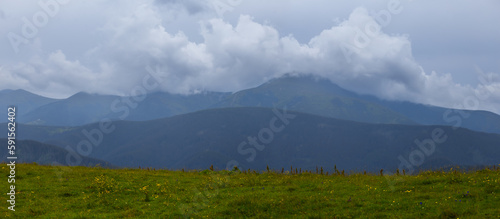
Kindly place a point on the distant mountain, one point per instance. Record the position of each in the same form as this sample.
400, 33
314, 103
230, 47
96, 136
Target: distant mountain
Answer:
76, 110
477, 120
32, 151
217, 136
23, 100
6, 91
315, 96
160, 105
303, 94
321, 97
83, 108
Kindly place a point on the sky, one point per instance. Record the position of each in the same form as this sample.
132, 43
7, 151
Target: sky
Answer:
444, 53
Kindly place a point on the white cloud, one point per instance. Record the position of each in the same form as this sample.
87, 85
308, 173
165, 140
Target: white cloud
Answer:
239, 55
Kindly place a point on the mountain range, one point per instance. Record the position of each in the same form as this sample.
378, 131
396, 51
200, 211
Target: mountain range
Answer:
23, 100
333, 126
217, 136
28, 151
303, 94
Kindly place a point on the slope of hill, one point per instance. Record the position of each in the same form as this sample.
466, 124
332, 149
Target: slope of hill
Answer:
314, 96
476, 120
160, 105
31, 151
198, 140
76, 110
23, 100
303, 94
321, 97
83, 108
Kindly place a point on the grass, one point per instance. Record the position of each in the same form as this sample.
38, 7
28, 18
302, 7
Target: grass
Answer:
84, 192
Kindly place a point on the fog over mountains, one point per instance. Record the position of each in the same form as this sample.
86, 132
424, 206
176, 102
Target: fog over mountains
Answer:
326, 125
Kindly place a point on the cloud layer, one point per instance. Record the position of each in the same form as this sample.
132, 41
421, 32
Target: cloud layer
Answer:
354, 52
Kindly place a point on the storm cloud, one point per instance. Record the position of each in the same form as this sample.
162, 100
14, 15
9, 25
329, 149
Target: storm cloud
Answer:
229, 45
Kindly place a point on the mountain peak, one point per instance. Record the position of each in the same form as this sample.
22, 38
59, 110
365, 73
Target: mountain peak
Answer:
300, 77
295, 81
19, 93
81, 95
6, 91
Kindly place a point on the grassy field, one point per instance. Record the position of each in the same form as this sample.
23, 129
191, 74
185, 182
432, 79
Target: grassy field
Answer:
82, 192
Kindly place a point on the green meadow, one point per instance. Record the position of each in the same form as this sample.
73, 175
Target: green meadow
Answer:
89, 192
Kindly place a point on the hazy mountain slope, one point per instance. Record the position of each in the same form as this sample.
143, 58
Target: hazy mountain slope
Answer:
303, 94
83, 108
160, 105
199, 139
23, 100
314, 96
32, 151
321, 97
477, 120
78, 109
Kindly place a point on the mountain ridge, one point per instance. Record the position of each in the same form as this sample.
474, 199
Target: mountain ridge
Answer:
29, 151
213, 137
305, 93
314, 95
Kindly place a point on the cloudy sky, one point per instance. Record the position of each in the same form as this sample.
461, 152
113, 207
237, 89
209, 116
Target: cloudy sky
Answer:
444, 53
